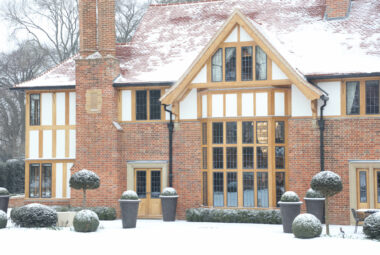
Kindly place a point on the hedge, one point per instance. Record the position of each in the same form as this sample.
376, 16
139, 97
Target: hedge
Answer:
34, 216
103, 212
233, 215
12, 176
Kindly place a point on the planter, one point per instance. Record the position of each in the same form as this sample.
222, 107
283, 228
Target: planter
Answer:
4, 201
65, 219
289, 211
169, 207
315, 206
129, 210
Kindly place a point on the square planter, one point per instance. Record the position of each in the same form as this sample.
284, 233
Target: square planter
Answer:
129, 211
289, 211
315, 206
65, 219
4, 201
169, 207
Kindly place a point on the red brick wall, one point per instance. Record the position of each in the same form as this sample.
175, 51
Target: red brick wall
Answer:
337, 8
345, 139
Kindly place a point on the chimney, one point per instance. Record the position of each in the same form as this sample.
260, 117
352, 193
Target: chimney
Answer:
106, 27
336, 9
87, 27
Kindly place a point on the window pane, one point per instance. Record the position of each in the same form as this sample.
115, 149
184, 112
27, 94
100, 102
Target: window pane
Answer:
262, 190
363, 186
372, 97
246, 64
231, 132
141, 105
231, 157
34, 180
248, 132
280, 157
141, 184
217, 158
46, 181
262, 132
155, 177
204, 133
378, 186
262, 157
232, 196
248, 157
35, 109
217, 66
218, 189
230, 64
248, 191
155, 104
204, 158
217, 132
205, 189
261, 64
353, 97
280, 132
280, 186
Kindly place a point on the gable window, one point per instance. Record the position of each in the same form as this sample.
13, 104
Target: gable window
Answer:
353, 97
40, 184
372, 97
217, 66
230, 64
261, 64
34, 109
148, 100
246, 64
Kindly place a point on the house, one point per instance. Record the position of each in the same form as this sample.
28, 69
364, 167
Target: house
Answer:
245, 83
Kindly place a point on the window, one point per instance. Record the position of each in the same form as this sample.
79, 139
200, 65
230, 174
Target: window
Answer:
372, 97
231, 132
262, 190
280, 132
232, 196
248, 189
155, 104
248, 157
148, 108
230, 64
218, 158
248, 132
205, 189
262, 157
280, 186
204, 158
141, 107
352, 97
40, 181
217, 132
231, 157
217, 66
218, 189
280, 157
246, 64
141, 184
34, 110
261, 64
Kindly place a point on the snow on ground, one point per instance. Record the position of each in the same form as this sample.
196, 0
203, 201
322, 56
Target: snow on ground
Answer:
180, 237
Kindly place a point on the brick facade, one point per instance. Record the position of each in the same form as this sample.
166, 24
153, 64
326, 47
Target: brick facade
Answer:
337, 8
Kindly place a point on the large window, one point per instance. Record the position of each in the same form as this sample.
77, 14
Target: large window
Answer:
34, 110
40, 181
148, 105
362, 97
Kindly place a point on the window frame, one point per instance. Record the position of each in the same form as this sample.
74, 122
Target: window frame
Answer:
40, 180
30, 109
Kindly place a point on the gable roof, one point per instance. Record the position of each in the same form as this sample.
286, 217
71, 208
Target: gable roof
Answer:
170, 37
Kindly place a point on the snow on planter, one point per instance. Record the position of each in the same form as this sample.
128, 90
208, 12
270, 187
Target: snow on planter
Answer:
3, 192
129, 195
3, 219
290, 196
86, 221
34, 216
306, 226
169, 191
371, 226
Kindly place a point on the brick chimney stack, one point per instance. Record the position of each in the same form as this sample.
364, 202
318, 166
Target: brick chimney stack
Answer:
87, 27
106, 27
336, 9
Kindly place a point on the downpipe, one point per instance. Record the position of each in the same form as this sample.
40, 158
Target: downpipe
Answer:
321, 130
171, 130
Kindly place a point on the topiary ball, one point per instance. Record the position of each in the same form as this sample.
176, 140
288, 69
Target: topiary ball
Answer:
84, 179
129, 195
310, 193
290, 196
3, 192
306, 226
3, 219
86, 221
371, 226
34, 216
327, 183
169, 191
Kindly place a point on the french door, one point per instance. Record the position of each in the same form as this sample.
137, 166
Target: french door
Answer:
148, 183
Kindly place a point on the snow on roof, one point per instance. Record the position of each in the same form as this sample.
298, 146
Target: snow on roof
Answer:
170, 37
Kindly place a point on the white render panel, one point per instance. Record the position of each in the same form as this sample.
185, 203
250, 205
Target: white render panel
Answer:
262, 104
68, 175
72, 103
217, 105
333, 107
277, 73
201, 76
58, 180
34, 144
301, 106
204, 106
233, 37
244, 36
60, 144
47, 144
279, 103
231, 105
247, 105
188, 106
46, 109
72, 147
126, 105
60, 105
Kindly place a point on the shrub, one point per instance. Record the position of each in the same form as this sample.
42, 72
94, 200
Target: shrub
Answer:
34, 216
306, 226
3, 192
233, 215
129, 195
103, 212
12, 175
310, 193
290, 196
371, 226
3, 219
167, 192
84, 179
86, 221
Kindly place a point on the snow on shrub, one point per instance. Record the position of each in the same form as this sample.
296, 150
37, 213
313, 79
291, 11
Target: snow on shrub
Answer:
129, 195
3, 192
306, 226
290, 196
371, 226
86, 221
3, 219
310, 193
34, 216
84, 179
169, 191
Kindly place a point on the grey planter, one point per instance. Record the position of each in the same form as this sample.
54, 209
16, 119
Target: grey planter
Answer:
289, 211
315, 206
4, 201
129, 210
169, 207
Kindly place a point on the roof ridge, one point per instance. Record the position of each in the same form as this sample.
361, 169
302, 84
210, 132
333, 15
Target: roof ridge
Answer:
184, 3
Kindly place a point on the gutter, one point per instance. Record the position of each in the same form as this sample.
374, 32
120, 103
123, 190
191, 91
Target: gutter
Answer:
171, 130
44, 87
143, 84
341, 76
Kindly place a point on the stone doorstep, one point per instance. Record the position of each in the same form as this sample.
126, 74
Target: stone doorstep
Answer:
65, 219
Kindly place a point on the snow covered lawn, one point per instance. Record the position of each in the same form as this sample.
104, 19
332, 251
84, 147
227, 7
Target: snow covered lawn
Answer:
180, 237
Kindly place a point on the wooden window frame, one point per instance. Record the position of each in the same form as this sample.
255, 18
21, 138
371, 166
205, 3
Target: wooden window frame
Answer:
39, 109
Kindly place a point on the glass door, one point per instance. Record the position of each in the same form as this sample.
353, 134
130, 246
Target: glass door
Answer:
148, 188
